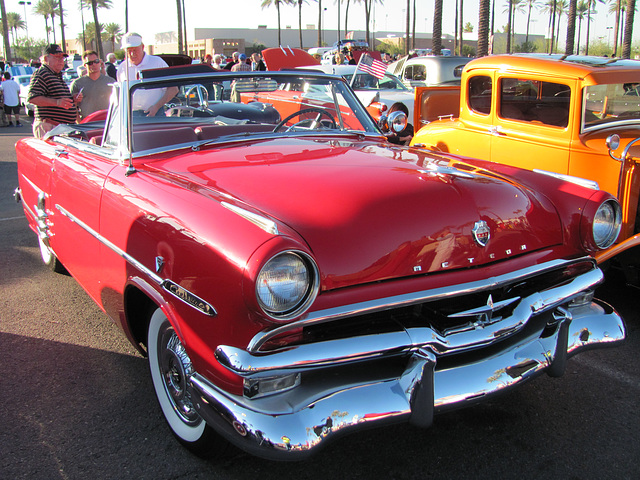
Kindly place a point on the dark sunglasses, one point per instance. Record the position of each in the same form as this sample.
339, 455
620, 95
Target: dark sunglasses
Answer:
92, 62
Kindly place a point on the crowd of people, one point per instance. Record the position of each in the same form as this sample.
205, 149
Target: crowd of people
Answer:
57, 103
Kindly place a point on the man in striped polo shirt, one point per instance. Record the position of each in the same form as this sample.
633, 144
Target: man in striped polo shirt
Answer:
50, 94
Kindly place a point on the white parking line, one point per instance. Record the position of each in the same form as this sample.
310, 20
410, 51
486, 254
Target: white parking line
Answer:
630, 380
10, 218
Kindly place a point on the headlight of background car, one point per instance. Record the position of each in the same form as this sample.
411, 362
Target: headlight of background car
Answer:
286, 285
607, 224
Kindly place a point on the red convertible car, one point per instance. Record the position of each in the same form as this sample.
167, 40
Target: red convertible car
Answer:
293, 277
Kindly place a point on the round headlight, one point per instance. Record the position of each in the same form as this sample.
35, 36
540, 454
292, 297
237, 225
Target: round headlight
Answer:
607, 224
286, 284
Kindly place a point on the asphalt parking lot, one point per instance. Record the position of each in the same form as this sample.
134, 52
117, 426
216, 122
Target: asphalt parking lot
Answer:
78, 402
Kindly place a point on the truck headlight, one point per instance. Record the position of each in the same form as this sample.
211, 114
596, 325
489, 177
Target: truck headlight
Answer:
286, 285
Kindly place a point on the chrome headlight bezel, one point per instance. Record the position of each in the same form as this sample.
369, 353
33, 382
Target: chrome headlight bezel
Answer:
307, 288
606, 224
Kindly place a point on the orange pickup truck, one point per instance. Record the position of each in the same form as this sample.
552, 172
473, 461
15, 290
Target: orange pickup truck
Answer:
575, 116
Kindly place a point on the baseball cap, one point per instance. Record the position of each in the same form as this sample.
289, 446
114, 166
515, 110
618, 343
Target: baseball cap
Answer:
131, 40
242, 57
53, 49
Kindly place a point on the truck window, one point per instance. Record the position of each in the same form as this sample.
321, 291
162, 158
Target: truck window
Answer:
480, 94
535, 101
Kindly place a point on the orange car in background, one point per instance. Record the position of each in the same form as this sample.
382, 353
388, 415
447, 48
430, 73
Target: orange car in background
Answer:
577, 116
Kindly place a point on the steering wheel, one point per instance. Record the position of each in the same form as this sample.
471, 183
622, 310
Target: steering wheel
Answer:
314, 123
200, 95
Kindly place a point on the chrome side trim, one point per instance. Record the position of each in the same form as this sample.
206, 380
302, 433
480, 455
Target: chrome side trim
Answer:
170, 287
264, 223
408, 299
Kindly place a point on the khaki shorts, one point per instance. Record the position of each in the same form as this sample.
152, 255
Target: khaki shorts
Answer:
41, 127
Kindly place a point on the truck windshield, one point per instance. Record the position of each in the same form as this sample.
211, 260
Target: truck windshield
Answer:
609, 104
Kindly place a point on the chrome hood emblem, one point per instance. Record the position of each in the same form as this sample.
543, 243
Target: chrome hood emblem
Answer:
481, 233
485, 315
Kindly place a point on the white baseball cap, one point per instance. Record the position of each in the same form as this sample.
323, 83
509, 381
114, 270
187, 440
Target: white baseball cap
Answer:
131, 40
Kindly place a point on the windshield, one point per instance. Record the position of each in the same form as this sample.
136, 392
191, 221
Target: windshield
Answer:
610, 104
219, 107
366, 81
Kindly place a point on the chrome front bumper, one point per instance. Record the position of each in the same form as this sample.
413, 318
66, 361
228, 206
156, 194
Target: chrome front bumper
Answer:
290, 425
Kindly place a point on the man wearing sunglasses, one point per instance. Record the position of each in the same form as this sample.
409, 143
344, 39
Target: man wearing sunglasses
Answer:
94, 88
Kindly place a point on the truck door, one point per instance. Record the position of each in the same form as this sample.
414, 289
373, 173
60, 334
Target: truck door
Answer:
533, 123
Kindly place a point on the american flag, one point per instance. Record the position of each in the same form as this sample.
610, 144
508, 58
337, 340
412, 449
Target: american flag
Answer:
370, 65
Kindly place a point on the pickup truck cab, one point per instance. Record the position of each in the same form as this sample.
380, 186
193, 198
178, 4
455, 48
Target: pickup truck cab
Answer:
577, 116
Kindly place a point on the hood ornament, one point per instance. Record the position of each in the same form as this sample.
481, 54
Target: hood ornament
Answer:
481, 233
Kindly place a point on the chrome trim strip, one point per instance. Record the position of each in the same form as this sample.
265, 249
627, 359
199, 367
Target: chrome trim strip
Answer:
570, 178
174, 289
87, 147
292, 425
264, 223
408, 299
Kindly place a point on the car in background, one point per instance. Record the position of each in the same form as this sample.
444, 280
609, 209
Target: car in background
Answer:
24, 81
379, 95
293, 277
69, 75
571, 115
429, 70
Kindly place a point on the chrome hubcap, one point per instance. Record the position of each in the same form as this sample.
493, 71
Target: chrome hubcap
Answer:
175, 370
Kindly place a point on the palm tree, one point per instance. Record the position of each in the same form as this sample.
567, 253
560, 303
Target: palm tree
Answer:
461, 28
5, 31
628, 29
15, 22
90, 36
591, 9
346, 16
413, 32
179, 18
483, 28
581, 14
616, 7
406, 38
114, 34
61, 13
268, 3
299, 3
319, 23
509, 24
368, 4
437, 28
530, 4
95, 5
46, 8
550, 8
562, 6
571, 27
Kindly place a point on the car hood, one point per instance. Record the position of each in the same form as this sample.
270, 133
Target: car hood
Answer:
369, 212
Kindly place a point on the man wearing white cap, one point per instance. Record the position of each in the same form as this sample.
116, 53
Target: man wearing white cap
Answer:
147, 101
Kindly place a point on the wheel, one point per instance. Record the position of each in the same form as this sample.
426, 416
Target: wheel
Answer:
314, 123
49, 258
170, 368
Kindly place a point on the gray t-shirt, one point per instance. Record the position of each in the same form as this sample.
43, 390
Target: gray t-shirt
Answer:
95, 93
